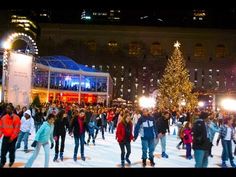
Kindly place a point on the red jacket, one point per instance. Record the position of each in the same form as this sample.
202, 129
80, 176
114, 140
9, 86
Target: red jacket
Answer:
110, 116
10, 126
188, 139
120, 132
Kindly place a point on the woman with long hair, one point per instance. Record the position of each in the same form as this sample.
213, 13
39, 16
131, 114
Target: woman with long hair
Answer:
124, 136
227, 135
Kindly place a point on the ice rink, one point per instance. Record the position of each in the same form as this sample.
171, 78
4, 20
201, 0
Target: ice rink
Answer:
106, 153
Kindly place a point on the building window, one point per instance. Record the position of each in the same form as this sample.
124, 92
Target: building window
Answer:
195, 74
155, 49
199, 50
112, 46
134, 48
92, 45
220, 51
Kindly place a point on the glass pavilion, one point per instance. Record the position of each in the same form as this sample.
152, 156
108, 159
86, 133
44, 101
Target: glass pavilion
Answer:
59, 78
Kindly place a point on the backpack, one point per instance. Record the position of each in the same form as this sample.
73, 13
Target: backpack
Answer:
197, 132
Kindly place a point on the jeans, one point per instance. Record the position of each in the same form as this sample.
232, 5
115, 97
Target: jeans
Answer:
173, 120
36, 152
8, 147
147, 144
122, 148
111, 127
102, 130
163, 143
62, 144
37, 125
188, 150
201, 158
77, 139
22, 135
227, 150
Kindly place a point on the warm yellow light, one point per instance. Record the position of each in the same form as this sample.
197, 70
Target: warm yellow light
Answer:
6, 44
201, 104
177, 44
147, 102
229, 104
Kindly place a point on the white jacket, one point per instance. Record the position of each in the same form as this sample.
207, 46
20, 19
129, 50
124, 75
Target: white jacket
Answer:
27, 125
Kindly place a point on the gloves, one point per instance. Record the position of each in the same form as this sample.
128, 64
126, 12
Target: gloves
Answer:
34, 144
52, 145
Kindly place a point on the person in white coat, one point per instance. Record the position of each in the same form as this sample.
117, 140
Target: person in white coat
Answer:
26, 129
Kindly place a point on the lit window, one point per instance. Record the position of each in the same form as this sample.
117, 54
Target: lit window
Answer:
112, 46
220, 51
199, 50
92, 45
155, 49
134, 48
195, 74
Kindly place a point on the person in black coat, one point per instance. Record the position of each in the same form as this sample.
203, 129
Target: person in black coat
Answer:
77, 129
162, 125
60, 126
201, 141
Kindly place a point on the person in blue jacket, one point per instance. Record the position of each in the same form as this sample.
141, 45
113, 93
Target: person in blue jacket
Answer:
42, 137
147, 128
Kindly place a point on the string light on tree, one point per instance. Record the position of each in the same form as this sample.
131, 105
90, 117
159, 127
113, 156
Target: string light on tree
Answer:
175, 85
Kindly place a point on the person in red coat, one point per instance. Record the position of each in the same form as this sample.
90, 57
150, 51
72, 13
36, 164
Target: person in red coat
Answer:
9, 129
124, 135
188, 139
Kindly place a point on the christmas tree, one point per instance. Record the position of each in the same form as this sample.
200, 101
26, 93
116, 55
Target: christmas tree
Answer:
175, 87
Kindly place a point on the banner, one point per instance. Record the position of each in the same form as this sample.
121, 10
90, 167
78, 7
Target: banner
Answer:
19, 79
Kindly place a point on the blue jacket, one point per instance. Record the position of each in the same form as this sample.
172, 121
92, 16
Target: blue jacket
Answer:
45, 133
213, 128
146, 127
223, 132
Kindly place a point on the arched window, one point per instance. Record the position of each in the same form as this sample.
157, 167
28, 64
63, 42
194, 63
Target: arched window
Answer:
199, 50
134, 48
92, 45
220, 51
155, 49
112, 46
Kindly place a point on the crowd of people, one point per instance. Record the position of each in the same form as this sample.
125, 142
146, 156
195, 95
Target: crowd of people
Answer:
54, 122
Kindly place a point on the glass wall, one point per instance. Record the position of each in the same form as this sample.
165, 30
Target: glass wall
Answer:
41, 79
93, 84
64, 81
